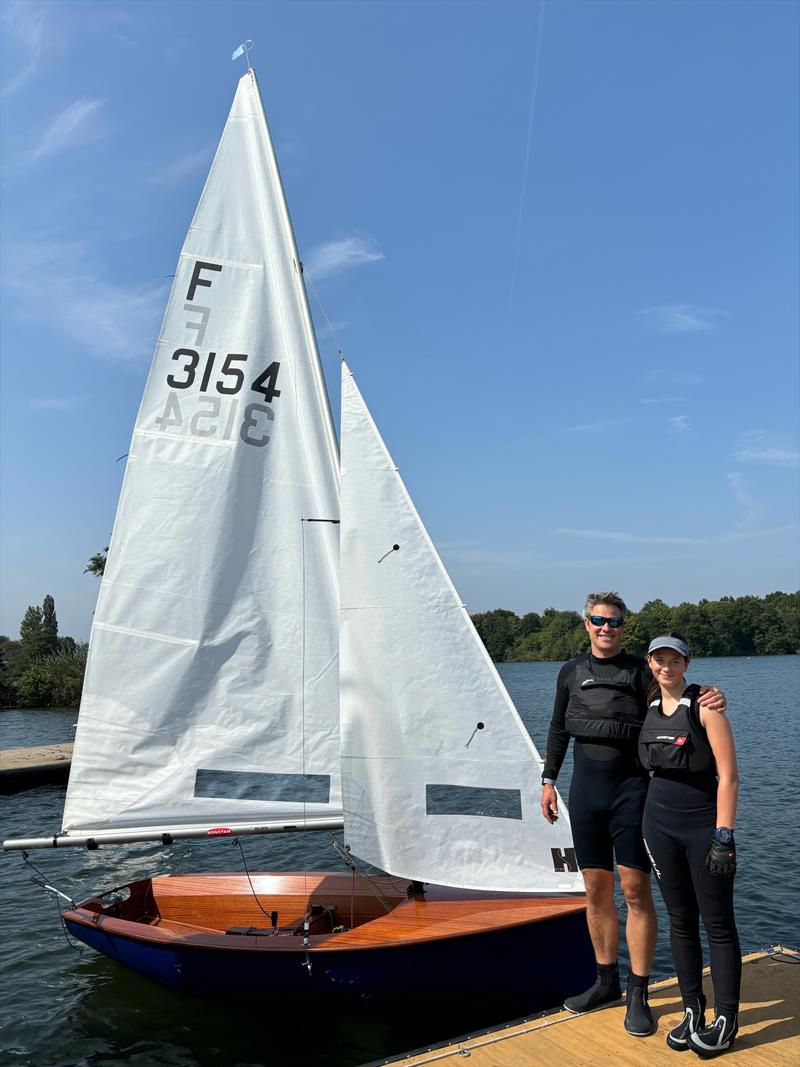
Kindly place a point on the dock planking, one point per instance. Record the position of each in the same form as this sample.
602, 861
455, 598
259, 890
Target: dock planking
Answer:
769, 1029
23, 768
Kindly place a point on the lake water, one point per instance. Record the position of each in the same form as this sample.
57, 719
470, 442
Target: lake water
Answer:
69, 1006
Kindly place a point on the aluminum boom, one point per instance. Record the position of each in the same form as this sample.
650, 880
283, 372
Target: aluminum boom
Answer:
168, 834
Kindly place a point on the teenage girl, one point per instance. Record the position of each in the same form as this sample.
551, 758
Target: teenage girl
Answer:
688, 830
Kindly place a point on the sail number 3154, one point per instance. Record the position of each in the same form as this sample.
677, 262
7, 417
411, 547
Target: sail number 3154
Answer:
204, 422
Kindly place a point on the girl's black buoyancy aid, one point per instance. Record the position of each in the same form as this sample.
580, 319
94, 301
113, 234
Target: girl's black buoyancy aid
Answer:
603, 708
676, 742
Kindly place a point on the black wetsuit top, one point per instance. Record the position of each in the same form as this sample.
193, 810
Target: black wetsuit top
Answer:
558, 736
608, 784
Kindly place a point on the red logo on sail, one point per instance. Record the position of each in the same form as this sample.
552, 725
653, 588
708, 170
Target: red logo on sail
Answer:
218, 831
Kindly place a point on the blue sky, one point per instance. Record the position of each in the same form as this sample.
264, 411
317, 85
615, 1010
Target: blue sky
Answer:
558, 243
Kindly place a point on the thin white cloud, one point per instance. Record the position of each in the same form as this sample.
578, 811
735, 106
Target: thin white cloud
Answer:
750, 508
679, 423
57, 403
676, 378
594, 427
184, 166
56, 284
79, 123
332, 258
680, 318
760, 447
663, 399
630, 537
25, 23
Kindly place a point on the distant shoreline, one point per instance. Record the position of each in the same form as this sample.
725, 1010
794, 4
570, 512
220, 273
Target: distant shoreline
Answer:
700, 655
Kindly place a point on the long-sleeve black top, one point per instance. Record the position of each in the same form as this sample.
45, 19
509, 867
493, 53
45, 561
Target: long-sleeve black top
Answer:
557, 736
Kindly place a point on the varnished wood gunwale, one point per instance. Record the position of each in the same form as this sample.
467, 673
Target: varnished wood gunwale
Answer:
195, 911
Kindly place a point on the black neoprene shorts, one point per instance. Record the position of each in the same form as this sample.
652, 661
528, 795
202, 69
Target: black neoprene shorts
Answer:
606, 802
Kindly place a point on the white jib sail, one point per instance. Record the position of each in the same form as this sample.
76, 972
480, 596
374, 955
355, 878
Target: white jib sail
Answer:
211, 693
440, 778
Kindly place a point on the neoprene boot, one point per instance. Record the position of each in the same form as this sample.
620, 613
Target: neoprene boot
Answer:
715, 1039
604, 991
639, 1021
694, 1019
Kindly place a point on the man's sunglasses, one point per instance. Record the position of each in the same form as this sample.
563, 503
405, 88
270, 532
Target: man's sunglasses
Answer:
600, 620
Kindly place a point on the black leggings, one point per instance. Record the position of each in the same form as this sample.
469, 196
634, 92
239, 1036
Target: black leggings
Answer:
678, 842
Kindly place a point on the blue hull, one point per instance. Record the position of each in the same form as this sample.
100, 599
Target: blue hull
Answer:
520, 969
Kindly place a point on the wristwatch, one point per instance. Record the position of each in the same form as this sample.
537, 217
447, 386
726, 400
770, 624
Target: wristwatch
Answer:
724, 835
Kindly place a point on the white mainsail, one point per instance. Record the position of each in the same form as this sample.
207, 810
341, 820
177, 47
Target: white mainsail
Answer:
440, 778
211, 693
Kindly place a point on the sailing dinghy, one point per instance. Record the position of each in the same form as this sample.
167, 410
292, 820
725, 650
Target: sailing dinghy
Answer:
229, 692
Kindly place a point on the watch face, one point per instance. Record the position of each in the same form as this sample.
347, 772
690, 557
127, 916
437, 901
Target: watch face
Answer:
724, 836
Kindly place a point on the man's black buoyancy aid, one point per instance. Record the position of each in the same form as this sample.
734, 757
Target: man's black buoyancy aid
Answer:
603, 708
677, 742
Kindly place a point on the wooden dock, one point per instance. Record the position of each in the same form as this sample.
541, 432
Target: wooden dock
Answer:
769, 1031
23, 768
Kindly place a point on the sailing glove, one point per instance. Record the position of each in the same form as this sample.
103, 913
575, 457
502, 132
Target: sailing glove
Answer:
721, 859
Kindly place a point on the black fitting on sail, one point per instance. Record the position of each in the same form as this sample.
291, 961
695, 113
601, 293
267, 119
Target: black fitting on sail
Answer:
166, 839
394, 548
92, 845
479, 726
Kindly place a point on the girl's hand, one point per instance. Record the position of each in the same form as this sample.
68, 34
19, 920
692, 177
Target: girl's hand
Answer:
721, 859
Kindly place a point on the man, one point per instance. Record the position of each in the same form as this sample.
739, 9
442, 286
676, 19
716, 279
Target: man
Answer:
601, 700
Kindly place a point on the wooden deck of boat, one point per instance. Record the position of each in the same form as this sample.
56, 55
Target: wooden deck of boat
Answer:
769, 1032
208, 910
195, 906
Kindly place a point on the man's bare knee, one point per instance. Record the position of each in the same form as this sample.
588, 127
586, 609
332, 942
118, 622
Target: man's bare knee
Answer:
636, 889
599, 887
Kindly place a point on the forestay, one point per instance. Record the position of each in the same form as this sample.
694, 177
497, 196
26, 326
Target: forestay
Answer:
211, 694
440, 779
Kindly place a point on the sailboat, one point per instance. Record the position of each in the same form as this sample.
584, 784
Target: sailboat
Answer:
278, 647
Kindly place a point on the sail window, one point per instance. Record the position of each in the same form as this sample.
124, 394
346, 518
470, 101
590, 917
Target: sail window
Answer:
255, 785
473, 800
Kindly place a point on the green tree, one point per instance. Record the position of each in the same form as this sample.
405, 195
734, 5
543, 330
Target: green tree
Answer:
730, 626
561, 637
32, 638
33, 686
634, 639
779, 628
655, 618
97, 563
53, 682
735, 623
497, 630
524, 643
8, 691
694, 625
49, 626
